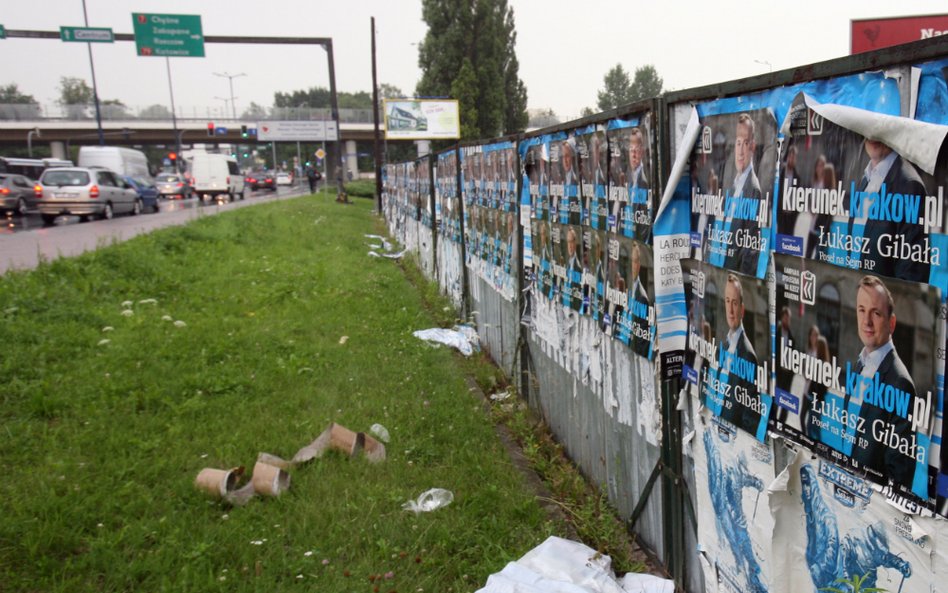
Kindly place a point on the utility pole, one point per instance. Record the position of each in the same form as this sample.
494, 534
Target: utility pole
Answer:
375, 117
230, 79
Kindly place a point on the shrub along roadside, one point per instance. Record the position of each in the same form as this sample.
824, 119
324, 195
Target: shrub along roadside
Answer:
109, 415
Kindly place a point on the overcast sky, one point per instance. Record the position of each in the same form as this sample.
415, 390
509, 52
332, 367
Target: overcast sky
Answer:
564, 48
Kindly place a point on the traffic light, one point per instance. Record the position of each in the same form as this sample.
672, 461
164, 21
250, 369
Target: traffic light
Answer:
307, 163
172, 156
243, 130
210, 128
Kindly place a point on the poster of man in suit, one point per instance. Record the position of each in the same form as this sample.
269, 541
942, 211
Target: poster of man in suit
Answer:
592, 146
731, 204
860, 389
735, 378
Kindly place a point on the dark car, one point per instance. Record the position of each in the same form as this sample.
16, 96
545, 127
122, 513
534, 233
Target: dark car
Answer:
147, 192
16, 194
262, 180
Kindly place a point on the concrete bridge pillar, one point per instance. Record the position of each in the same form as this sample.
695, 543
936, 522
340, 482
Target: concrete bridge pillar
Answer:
352, 159
58, 150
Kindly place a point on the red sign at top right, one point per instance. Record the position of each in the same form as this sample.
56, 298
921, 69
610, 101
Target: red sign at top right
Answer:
871, 34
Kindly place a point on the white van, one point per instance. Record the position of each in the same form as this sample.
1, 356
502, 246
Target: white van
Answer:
216, 175
124, 161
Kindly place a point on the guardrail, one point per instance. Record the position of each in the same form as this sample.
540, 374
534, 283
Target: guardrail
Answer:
38, 112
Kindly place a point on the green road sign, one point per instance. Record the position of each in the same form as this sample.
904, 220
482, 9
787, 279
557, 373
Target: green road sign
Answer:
168, 35
3, 32
87, 34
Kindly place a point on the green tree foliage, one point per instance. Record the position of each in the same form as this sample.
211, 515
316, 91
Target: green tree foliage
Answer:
254, 111
74, 91
114, 109
618, 89
468, 54
646, 83
156, 111
319, 97
11, 95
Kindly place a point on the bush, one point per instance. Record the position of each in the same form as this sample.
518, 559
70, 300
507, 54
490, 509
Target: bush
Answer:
363, 188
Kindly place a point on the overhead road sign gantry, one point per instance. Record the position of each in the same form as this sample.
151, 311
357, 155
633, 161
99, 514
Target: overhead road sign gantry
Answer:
87, 34
168, 35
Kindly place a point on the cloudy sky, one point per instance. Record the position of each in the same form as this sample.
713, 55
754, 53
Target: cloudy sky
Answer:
564, 48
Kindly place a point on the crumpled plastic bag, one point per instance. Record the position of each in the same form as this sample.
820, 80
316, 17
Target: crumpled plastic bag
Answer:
429, 500
463, 337
563, 566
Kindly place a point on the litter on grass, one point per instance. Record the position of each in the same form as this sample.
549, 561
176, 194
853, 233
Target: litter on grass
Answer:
430, 500
563, 565
270, 477
501, 395
462, 337
380, 432
397, 255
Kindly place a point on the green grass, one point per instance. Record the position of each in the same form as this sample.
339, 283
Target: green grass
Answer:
102, 441
363, 188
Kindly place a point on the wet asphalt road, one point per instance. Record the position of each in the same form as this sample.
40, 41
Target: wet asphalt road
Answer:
24, 242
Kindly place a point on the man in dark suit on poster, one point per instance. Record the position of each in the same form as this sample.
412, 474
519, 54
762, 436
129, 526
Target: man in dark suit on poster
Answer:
887, 168
740, 351
638, 186
639, 301
875, 316
745, 185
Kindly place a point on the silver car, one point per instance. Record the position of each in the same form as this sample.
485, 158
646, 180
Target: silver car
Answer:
84, 192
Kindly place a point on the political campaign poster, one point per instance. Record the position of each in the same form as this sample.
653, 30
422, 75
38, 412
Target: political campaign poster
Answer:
630, 197
729, 342
830, 524
735, 527
732, 186
635, 319
568, 266
595, 271
564, 179
856, 369
536, 165
852, 200
545, 283
932, 103
449, 226
593, 149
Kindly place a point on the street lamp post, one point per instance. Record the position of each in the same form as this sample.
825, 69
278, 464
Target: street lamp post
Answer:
29, 140
765, 63
225, 100
230, 79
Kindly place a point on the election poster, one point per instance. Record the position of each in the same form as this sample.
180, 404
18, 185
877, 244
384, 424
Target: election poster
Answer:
856, 369
449, 226
595, 271
852, 200
593, 149
631, 277
568, 264
733, 173
735, 527
565, 207
729, 345
536, 166
630, 205
545, 283
831, 524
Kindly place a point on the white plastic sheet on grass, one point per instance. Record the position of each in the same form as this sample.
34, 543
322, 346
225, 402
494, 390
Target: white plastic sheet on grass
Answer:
463, 337
563, 566
429, 500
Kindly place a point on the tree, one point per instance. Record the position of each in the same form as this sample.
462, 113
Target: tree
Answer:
75, 95
254, 111
542, 118
619, 90
390, 91
469, 49
16, 105
586, 112
647, 83
319, 97
156, 111
114, 109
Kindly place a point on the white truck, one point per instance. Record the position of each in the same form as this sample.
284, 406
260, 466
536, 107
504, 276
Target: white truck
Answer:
124, 161
216, 175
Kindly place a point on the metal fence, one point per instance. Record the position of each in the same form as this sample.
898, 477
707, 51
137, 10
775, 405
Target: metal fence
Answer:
627, 419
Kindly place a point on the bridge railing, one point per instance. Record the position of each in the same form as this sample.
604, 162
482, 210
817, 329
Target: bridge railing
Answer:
112, 112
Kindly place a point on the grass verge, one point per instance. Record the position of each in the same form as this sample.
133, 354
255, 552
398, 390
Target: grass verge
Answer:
129, 369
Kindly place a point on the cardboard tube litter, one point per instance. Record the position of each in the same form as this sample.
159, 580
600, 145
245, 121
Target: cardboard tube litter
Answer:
374, 450
269, 480
218, 482
344, 439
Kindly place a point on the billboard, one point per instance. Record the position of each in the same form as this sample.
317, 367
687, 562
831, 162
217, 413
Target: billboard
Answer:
871, 34
283, 131
421, 119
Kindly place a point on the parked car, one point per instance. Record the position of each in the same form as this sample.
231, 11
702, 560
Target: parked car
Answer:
261, 180
217, 175
283, 178
16, 194
84, 192
173, 185
146, 190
